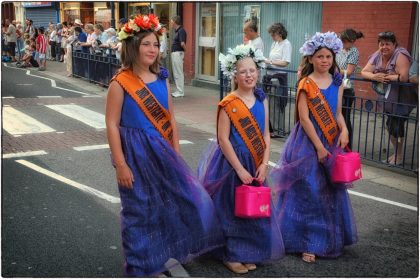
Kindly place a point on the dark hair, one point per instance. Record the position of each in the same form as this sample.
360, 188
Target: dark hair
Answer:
252, 24
351, 35
387, 36
176, 19
41, 30
308, 68
130, 51
278, 28
65, 23
123, 20
78, 29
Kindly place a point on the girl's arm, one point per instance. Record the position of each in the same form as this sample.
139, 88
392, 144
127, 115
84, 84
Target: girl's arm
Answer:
343, 139
227, 148
261, 173
309, 128
114, 103
175, 136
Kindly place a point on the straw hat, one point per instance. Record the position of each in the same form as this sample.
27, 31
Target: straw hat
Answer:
78, 22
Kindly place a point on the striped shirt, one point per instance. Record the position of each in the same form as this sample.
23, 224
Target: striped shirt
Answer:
41, 44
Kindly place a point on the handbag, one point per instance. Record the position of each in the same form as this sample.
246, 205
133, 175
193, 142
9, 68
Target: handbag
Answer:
252, 201
346, 81
347, 167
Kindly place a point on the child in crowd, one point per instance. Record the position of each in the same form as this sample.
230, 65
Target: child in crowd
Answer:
240, 157
166, 213
316, 216
41, 47
28, 59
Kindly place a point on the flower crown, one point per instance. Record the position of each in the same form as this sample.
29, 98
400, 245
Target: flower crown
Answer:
328, 40
147, 22
228, 62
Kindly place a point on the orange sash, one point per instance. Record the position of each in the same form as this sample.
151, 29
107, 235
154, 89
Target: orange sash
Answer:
154, 111
319, 108
246, 125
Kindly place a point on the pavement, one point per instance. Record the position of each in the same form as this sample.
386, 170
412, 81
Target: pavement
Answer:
197, 109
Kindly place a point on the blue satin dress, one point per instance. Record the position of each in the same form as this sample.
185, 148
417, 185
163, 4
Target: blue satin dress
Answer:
168, 213
246, 240
316, 215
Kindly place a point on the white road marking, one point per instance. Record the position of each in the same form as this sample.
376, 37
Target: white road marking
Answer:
24, 154
185, 142
84, 115
70, 182
53, 83
18, 123
24, 84
383, 200
8, 97
91, 147
49, 97
92, 96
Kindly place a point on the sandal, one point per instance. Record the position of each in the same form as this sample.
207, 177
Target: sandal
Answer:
308, 257
250, 266
236, 267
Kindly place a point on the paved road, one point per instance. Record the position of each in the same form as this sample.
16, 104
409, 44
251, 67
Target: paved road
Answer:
61, 206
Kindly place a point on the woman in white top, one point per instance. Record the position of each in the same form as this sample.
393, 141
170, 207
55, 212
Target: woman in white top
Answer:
280, 57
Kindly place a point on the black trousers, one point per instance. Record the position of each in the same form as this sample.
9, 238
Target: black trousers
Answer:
279, 101
348, 100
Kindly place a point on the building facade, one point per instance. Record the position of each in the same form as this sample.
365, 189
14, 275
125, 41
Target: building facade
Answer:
213, 27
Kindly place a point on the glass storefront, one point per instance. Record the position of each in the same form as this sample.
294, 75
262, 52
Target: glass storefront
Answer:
88, 12
138, 8
207, 41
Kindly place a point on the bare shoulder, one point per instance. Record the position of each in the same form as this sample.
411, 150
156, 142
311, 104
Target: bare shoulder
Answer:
115, 88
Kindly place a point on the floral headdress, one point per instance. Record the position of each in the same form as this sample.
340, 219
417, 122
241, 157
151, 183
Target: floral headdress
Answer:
141, 22
228, 62
328, 40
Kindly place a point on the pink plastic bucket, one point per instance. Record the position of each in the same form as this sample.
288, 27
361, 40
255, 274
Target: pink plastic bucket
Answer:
252, 202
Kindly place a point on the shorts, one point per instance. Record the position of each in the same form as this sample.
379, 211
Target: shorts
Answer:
12, 48
396, 126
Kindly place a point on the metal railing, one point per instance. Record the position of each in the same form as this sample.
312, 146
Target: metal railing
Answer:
98, 68
368, 115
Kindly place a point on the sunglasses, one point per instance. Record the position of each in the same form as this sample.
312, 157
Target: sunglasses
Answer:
386, 34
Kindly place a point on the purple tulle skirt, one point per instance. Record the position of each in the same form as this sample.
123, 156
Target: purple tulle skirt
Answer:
246, 240
315, 214
167, 214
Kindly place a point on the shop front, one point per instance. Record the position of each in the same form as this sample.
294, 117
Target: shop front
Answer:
89, 12
207, 46
220, 26
41, 13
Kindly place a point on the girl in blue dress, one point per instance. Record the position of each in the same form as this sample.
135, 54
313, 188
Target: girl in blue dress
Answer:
166, 213
315, 215
229, 162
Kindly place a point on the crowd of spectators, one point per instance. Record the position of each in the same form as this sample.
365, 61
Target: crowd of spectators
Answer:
31, 46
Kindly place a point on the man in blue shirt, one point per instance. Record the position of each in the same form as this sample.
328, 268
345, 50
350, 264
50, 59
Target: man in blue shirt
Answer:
82, 38
177, 55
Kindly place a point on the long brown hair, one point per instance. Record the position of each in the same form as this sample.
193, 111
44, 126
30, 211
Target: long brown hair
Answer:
130, 51
308, 68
